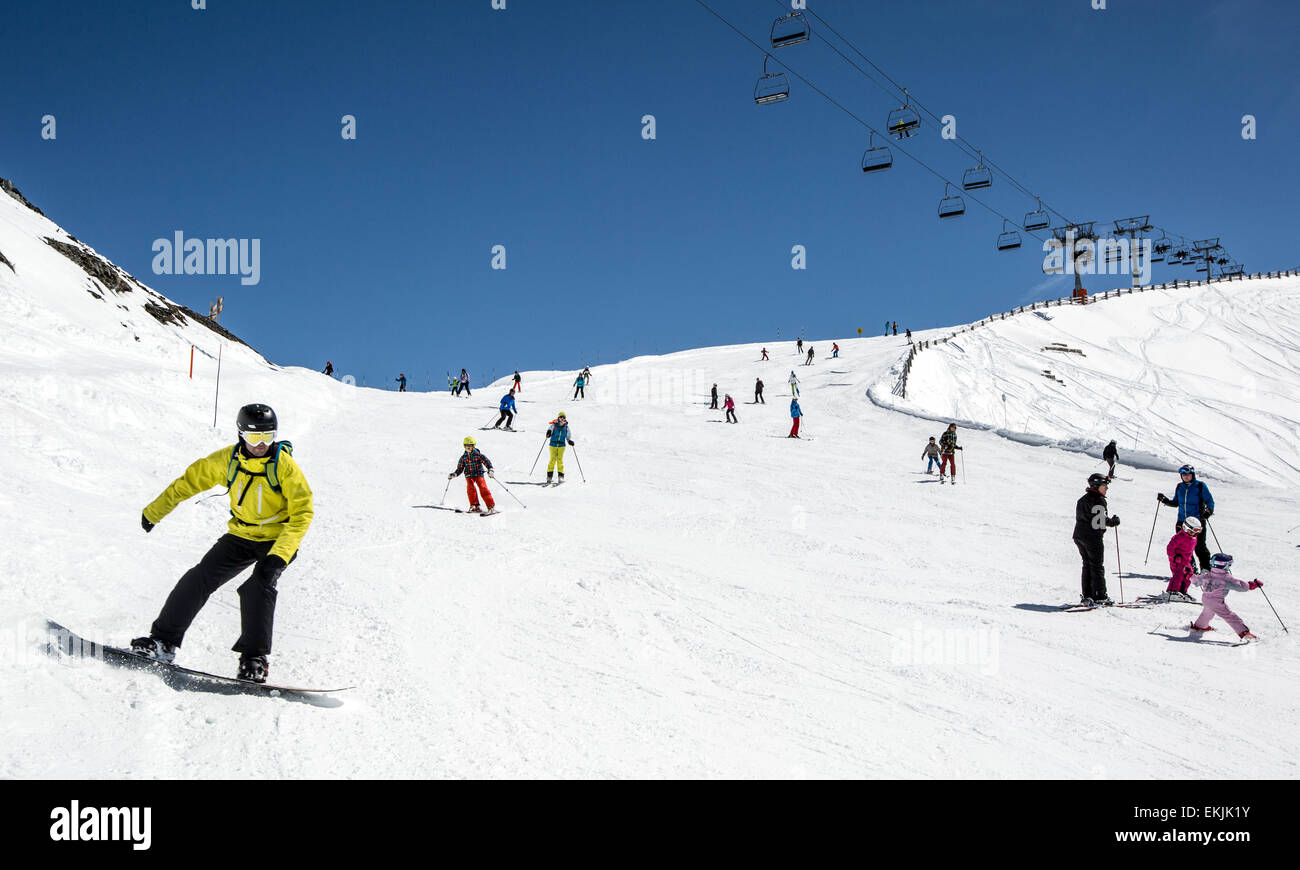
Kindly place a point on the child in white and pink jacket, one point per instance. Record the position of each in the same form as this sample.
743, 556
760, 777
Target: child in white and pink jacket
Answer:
1216, 582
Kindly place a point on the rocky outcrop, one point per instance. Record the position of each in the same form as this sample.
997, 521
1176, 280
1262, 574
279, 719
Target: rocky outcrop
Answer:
8, 187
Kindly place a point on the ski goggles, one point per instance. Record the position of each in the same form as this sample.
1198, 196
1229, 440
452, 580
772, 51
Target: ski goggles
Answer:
254, 438
1187, 469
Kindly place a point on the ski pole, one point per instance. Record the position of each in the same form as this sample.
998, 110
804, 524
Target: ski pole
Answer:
1216, 537
511, 494
1119, 566
489, 422
1153, 534
1292, 529
963, 471
443, 500
539, 456
579, 461
1274, 609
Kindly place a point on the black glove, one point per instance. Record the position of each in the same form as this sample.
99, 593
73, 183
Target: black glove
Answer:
570, 443
1160, 497
1206, 513
272, 567
450, 476
959, 448
145, 524
1113, 521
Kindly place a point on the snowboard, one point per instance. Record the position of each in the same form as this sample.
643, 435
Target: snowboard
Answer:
63, 642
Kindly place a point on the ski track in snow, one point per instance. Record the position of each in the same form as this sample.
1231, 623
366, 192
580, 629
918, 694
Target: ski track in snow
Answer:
712, 602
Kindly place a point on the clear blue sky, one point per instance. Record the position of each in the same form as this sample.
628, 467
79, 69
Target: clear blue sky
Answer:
522, 127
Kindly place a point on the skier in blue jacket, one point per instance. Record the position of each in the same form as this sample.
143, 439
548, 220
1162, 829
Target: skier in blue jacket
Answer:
1193, 499
507, 412
797, 414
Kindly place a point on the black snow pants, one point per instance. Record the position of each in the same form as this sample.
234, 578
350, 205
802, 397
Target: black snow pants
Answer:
228, 556
758, 397
508, 417
1093, 552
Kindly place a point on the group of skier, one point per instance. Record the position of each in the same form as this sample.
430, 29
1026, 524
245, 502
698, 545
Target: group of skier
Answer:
1186, 551
945, 452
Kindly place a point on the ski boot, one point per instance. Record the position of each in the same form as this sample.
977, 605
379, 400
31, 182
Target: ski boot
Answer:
1182, 596
1085, 601
153, 648
548, 477
474, 509
253, 668
1248, 635
559, 478
1196, 627
1104, 601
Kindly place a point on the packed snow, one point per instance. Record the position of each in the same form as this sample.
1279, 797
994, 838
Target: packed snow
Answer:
713, 600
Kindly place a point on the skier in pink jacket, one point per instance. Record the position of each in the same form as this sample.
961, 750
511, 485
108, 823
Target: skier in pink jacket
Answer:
1182, 551
1217, 582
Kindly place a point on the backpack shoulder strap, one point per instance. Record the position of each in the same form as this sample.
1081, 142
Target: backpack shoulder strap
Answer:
273, 467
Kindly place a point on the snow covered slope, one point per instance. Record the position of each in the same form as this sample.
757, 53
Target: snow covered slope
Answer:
1205, 374
714, 600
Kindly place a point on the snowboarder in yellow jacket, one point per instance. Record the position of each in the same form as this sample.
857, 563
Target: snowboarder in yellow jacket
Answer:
270, 511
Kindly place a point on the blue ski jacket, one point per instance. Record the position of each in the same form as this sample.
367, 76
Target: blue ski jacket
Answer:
559, 433
794, 409
508, 403
1193, 500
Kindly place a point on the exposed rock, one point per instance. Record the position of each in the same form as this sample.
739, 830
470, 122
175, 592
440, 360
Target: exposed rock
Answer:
8, 187
5, 260
93, 265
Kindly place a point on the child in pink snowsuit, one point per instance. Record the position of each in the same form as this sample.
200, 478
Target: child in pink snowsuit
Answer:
1181, 551
1217, 582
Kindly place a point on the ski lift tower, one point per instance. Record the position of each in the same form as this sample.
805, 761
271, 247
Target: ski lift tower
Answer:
1135, 228
1072, 235
1208, 250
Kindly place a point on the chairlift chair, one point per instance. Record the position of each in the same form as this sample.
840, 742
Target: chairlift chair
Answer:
771, 87
1037, 220
877, 157
978, 178
951, 205
903, 121
1008, 240
790, 29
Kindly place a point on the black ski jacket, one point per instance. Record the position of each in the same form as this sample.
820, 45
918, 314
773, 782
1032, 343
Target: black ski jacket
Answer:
1110, 454
1090, 517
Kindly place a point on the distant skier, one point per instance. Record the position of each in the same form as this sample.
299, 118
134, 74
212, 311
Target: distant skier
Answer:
764, 354
560, 436
909, 335
886, 328
799, 347
811, 352
947, 452
472, 464
835, 350
730, 407
586, 374
758, 392
794, 384
453, 385
579, 387
1217, 582
1090, 525
1111, 455
713, 404
1192, 499
329, 368
519, 383
464, 383
796, 414
895, 327
932, 451
507, 408
1181, 551
401, 382
270, 512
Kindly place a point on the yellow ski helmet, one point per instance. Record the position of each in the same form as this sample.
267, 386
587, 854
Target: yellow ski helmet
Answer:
469, 440
562, 414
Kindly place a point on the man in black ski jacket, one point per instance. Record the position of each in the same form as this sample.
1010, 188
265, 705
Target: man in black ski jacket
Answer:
715, 398
758, 392
1090, 525
1111, 455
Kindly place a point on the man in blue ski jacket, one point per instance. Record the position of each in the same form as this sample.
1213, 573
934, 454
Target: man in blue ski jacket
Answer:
507, 412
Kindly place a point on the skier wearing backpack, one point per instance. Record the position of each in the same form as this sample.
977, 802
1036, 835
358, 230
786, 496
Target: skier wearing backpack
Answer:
730, 407
1193, 499
947, 456
1090, 525
558, 433
472, 464
507, 412
1181, 551
1111, 455
270, 512
1217, 582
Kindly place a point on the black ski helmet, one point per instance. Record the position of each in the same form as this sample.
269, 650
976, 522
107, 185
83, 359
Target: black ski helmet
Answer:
1096, 480
256, 418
